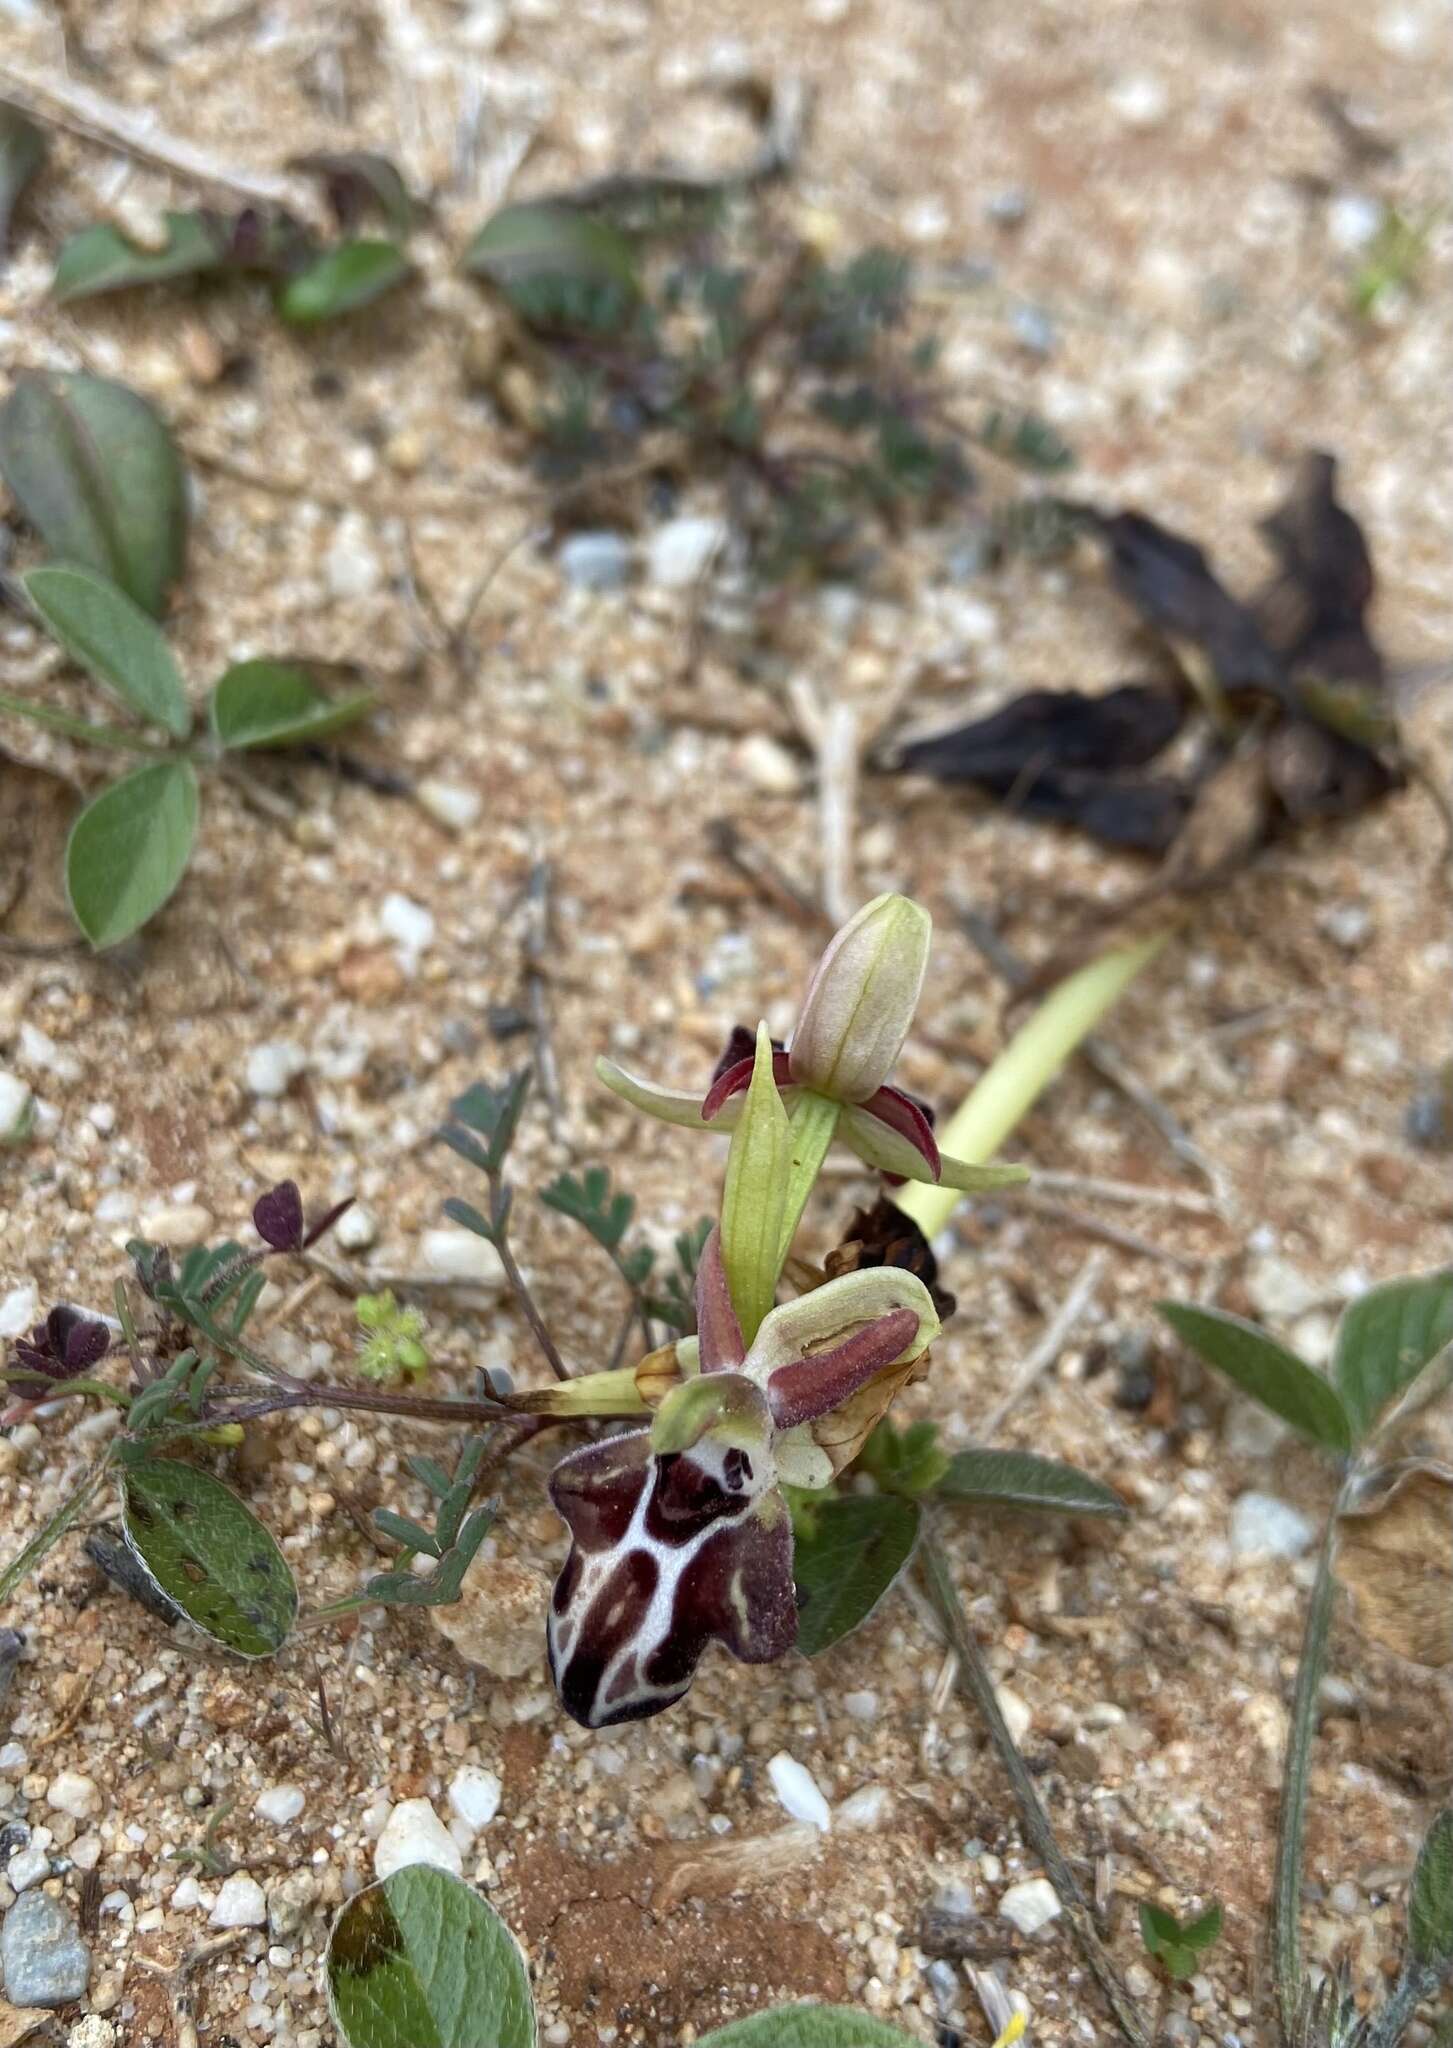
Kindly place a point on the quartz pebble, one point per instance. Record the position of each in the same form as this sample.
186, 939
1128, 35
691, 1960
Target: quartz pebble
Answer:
356, 1229
678, 552
596, 561
273, 1066
177, 1223
280, 1804
15, 1101
414, 1833
474, 1794
768, 766
1263, 1526
1018, 1714
19, 1310
1030, 1906
451, 804
351, 565
868, 1807
495, 1623
460, 1255
29, 1865
863, 1706
92, 2032
799, 1791
408, 924
241, 1902
70, 1792
43, 1959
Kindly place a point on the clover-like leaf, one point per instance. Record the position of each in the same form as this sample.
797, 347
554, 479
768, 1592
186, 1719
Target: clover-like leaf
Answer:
420, 1961
807, 2026
209, 1553
847, 1554
22, 152
1178, 1947
1265, 1370
114, 640
278, 704
129, 849
492, 1114
102, 259
557, 267
343, 280
97, 475
1385, 1339
1021, 1479
1430, 1899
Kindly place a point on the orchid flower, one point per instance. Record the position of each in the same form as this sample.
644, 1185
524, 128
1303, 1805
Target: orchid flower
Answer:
833, 1072
680, 1532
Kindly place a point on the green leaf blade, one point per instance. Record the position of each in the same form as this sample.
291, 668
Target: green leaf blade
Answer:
1430, 1898
101, 259
1385, 1339
557, 267
263, 703
208, 1552
129, 849
420, 1961
22, 152
808, 2026
1265, 1370
114, 640
1020, 1479
343, 280
848, 1553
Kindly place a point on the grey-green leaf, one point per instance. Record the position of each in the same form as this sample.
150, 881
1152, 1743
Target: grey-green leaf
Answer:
1430, 1900
848, 1552
129, 849
278, 704
342, 280
209, 1553
22, 152
557, 267
95, 472
420, 1961
1019, 1479
357, 179
1384, 1341
101, 259
808, 2026
100, 627
1266, 1370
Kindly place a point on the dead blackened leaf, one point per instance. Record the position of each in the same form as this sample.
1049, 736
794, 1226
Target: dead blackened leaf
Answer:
884, 1236
1313, 612
1172, 585
1396, 1558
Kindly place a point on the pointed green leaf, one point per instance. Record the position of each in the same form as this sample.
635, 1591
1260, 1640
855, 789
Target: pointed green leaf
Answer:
96, 473
22, 152
357, 180
752, 1200
278, 704
100, 627
1430, 1900
342, 280
848, 1551
1266, 1370
1020, 1479
1385, 1339
129, 849
208, 1552
420, 1961
557, 267
808, 2026
1178, 1947
102, 259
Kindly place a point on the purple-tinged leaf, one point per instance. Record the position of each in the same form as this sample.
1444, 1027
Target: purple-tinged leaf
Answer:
326, 1221
278, 1217
718, 1331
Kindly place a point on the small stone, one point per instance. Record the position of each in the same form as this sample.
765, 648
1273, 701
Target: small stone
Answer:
1263, 1526
1009, 208
187, 1896
1140, 100
92, 2032
768, 766
414, 1833
1348, 925
1033, 329
451, 804
177, 1223
868, 1807
1138, 1981
1353, 220
991, 1867
596, 561
1344, 1898
273, 1066
498, 1620
241, 1902
1030, 1906
12, 1643
1279, 1289
863, 1706
351, 565
28, 1866
1429, 1122
70, 1792
799, 1791
679, 552
42, 1956
407, 923
280, 1804
288, 1904
19, 1309
460, 1255
356, 1229
1180, 2030
474, 1795
1018, 1714
1102, 1714
15, 1108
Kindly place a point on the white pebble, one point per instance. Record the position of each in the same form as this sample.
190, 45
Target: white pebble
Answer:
799, 1791
92, 2032
407, 923
28, 1866
178, 1223
868, 1807
19, 1310
273, 1066
1139, 99
460, 1255
1353, 219
1030, 1906
863, 1706
414, 1833
474, 1794
768, 766
351, 565
70, 1792
15, 1101
280, 1804
451, 804
356, 1229
1018, 1713
1263, 1526
187, 1896
679, 551
240, 1903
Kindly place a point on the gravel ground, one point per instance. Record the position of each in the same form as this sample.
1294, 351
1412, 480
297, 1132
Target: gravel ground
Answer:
1172, 294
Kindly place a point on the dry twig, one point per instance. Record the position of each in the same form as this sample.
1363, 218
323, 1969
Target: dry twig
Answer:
1050, 1345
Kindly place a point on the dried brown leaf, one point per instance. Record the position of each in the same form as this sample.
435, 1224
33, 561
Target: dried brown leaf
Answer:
1396, 1559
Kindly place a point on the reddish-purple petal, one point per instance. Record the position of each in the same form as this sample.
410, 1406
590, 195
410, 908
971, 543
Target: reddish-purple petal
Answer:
902, 1114
717, 1327
736, 1078
816, 1385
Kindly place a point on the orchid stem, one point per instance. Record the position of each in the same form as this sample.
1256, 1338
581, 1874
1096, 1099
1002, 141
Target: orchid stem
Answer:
1004, 1094
1286, 1939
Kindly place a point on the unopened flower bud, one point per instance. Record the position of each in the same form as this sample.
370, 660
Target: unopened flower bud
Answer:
861, 1000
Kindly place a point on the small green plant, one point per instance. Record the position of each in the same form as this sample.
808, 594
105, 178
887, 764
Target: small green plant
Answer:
1393, 262
96, 473
1178, 1945
393, 1347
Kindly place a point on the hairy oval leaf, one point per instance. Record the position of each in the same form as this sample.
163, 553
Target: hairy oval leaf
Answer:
278, 704
1019, 1479
557, 267
420, 1961
129, 849
100, 627
1266, 1370
342, 280
209, 1553
1430, 1900
96, 473
102, 259
846, 1555
1386, 1338
808, 2026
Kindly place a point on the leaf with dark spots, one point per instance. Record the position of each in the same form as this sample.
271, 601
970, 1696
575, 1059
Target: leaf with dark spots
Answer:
1174, 588
1313, 611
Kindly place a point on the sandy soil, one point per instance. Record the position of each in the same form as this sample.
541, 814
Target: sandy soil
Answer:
1185, 236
